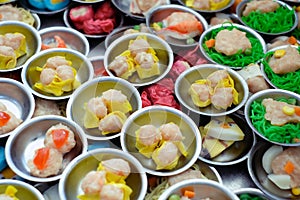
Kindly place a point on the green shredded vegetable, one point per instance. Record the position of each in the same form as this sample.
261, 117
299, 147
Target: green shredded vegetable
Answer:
296, 33
288, 133
289, 81
279, 21
239, 59
250, 197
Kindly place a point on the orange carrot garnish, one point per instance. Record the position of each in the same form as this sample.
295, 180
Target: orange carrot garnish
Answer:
60, 42
292, 40
188, 193
60, 137
289, 167
41, 158
210, 43
297, 110
4, 118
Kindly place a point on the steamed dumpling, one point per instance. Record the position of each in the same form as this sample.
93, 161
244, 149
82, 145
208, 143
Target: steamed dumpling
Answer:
147, 139
115, 100
93, 182
200, 92
123, 65
166, 156
112, 123
115, 191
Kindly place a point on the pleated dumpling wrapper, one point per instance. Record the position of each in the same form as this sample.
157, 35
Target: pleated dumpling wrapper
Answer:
115, 100
55, 78
201, 92
10, 193
112, 123
147, 139
166, 156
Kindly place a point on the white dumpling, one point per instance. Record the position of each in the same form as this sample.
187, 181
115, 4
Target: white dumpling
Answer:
111, 192
97, 106
93, 182
171, 132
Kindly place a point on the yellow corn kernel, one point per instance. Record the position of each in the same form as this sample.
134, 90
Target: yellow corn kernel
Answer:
279, 53
156, 26
288, 110
296, 191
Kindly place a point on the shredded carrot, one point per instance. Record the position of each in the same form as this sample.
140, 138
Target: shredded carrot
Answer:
289, 167
292, 40
297, 110
189, 193
210, 43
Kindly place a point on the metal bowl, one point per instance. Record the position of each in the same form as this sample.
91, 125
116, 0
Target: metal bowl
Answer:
44, 11
207, 33
88, 1
162, 49
24, 190
33, 40
209, 11
259, 175
73, 39
291, 85
15, 96
158, 115
69, 185
253, 192
124, 7
158, 14
188, 77
94, 88
238, 151
269, 93
79, 61
30, 136
68, 22
241, 6
202, 189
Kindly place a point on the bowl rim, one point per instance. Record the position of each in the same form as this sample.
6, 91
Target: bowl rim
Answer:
34, 32
194, 181
217, 67
48, 51
23, 184
265, 93
96, 36
70, 30
200, 18
238, 12
240, 27
18, 131
118, 152
107, 41
231, 2
128, 37
262, 66
184, 117
94, 81
28, 94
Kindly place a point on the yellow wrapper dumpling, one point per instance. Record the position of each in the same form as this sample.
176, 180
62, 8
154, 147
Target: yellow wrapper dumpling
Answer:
90, 119
112, 123
7, 61
217, 5
18, 39
166, 156
147, 139
115, 100
200, 92
147, 64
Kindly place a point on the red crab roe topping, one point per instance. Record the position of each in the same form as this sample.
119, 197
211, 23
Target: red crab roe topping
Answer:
60, 137
4, 118
41, 158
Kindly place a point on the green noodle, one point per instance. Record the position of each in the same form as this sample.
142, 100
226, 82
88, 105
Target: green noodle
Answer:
250, 197
289, 81
279, 21
239, 59
288, 133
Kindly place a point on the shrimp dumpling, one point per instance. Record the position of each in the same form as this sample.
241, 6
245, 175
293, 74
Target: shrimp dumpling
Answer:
93, 182
45, 162
60, 137
17, 41
115, 191
117, 169
115, 100
123, 65
112, 123
56, 61
140, 44
147, 139
200, 92
147, 64
8, 121
94, 111
8, 58
166, 156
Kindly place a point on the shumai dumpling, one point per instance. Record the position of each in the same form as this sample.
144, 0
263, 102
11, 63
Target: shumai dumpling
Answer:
17, 41
93, 182
115, 100
95, 110
117, 169
200, 92
112, 123
123, 65
147, 139
147, 64
115, 191
172, 132
218, 76
166, 156
8, 59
